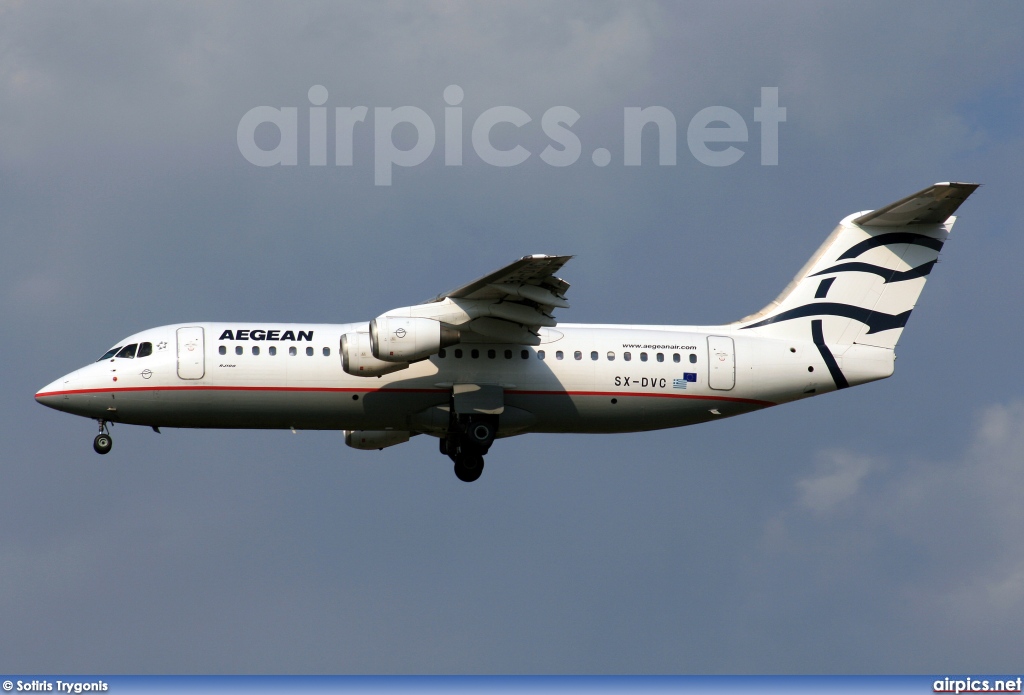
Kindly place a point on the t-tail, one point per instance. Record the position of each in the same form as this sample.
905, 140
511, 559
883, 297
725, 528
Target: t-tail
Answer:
854, 297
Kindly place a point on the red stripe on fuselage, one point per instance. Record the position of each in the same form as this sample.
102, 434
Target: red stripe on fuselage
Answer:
234, 388
339, 389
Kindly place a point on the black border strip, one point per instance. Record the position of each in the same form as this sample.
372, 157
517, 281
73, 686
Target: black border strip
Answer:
818, 336
887, 275
876, 321
893, 238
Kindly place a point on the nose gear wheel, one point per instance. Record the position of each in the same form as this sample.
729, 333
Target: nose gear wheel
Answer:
103, 441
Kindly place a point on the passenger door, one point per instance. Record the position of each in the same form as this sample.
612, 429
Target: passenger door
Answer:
721, 363
191, 351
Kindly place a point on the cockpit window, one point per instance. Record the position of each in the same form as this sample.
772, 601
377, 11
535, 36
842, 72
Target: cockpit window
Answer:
128, 351
109, 353
145, 350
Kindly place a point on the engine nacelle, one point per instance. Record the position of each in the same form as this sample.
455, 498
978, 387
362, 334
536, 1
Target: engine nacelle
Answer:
357, 357
400, 339
374, 439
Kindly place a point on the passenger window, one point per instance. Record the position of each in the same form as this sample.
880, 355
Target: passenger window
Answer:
491, 354
272, 350
627, 356
525, 354
292, 351
577, 355
693, 358
255, 349
458, 354
675, 357
327, 352
559, 355
128, 351
661, 357
540, 354
474, 353
593, 355
145, 350
309, 352
611, 356
238, 349
508, 354
643, 356
441, 353
109, 353
222, 350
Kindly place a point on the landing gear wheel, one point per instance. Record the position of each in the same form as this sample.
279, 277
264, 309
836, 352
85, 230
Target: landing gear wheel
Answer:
468, 467
102, 443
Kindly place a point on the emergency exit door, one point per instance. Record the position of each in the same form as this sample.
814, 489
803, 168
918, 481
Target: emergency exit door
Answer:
721, 363
191, 360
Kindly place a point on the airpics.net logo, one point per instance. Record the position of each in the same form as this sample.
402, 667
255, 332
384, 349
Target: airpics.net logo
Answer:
713, 134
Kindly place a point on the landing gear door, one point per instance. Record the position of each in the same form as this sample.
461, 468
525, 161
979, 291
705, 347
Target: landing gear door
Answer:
721, 363
478, 399
191, 351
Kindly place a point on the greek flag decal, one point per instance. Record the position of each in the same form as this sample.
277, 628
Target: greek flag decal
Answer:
687, 377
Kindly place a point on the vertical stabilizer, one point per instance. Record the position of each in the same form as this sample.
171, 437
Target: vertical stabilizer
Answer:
862, 284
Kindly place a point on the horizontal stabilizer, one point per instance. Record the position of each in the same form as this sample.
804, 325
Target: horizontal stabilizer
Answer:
933, 205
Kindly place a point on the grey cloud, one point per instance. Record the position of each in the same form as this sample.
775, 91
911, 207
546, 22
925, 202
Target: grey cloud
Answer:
953, 529
838, 478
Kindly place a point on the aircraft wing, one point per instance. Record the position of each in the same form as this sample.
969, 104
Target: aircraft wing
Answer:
529, 271
509, 305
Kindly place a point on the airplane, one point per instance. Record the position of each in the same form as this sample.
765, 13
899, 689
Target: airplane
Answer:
488, 360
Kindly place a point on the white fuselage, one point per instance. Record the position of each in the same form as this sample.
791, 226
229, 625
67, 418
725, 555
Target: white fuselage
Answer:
488, 359
581, 378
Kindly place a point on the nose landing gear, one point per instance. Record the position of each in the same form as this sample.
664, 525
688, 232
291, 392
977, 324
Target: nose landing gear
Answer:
103, 441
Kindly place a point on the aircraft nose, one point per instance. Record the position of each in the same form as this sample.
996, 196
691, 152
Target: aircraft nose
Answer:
52, 395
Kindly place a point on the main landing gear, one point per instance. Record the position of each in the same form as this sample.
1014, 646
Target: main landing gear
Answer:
468, 439
103, 441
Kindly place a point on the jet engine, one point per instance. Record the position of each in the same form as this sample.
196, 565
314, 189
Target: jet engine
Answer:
374, 439
400, 339
357, 357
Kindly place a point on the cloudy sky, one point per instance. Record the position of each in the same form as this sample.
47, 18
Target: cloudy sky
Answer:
876, 530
